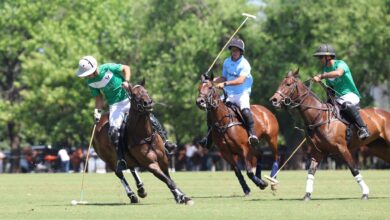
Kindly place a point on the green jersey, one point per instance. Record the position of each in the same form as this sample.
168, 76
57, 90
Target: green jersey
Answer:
109, 83
343, 84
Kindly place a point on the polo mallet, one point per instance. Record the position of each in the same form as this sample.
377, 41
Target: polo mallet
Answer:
272, 179
247, 16
82, 202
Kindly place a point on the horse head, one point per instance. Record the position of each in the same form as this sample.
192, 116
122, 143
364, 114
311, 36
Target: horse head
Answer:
140, 99
208, 97
289, 94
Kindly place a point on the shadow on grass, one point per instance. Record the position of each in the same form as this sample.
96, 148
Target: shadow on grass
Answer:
320, 199
103, 204
218, 197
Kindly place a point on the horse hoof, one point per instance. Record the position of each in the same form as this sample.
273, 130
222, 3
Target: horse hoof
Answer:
307, 197
184, 200
133, 198
365, 197
141, 192
189, 201
247, 192
263, 184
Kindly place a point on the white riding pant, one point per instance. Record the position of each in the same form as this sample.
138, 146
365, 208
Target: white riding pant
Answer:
349, 97
242, 100
117, 113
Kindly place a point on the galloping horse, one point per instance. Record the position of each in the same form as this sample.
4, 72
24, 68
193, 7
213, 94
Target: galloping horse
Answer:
144, 147
144, 144
231, 137
327, 134
106, 151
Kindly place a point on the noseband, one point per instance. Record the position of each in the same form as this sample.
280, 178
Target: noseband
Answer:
288, 101
136, 101
211, 103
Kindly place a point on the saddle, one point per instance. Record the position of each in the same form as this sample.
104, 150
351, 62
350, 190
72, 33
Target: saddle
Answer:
237, 111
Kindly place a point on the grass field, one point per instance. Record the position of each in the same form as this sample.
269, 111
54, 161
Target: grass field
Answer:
216, 195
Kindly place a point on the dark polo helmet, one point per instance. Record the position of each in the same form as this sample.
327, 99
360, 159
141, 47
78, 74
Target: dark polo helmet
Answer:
325, 49
235, 42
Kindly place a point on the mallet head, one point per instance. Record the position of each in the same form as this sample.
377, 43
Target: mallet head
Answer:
249, 15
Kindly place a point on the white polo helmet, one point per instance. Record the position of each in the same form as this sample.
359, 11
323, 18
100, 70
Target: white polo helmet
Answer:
87, 66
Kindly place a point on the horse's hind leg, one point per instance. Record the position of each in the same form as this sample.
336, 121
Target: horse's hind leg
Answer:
179, 196
241, 180
355, 172
133, 198
273, 143
140, 185
315, 161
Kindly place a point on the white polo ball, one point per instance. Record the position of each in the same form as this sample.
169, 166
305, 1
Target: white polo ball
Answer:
73, 202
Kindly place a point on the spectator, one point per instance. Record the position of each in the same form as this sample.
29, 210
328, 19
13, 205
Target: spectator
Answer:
190, 153
2, 156
65, 160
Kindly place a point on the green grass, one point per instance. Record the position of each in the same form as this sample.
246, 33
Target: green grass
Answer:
216, 196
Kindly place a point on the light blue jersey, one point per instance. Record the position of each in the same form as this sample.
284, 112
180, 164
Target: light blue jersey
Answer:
232, 70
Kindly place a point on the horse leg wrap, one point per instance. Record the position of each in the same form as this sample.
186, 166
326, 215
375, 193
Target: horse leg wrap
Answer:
275, 168
259, 182
242, 182
178, 195
259, 167
309, 183
126, 186
362, 184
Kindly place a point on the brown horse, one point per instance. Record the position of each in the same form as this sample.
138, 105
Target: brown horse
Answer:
144, 146
231, 137
106, 151
327, 134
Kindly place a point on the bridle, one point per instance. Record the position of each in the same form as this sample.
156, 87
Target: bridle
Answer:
290, 102
211, 103
137, 102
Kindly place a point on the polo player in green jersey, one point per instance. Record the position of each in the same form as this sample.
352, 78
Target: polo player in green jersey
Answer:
111, 80
339, 77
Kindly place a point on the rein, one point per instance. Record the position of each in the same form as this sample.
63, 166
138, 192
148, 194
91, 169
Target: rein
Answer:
139, 111
212, 104
299, 101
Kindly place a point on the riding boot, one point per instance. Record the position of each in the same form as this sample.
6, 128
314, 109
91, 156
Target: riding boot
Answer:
207, 141
353, 112
163, 134
248, 120
115, 139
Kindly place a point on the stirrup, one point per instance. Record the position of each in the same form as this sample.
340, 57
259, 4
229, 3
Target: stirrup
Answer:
253, 140
169, 146
121, 165
363, 133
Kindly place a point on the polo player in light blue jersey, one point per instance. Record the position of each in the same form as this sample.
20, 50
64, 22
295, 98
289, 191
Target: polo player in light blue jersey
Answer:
237, 81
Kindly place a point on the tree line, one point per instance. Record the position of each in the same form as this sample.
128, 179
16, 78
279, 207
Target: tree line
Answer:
169, 43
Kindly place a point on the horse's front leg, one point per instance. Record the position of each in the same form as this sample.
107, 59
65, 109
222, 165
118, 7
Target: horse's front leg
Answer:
140, 185
355, 171
179, 196
315, 161
133, 198
241, 180
249, 171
